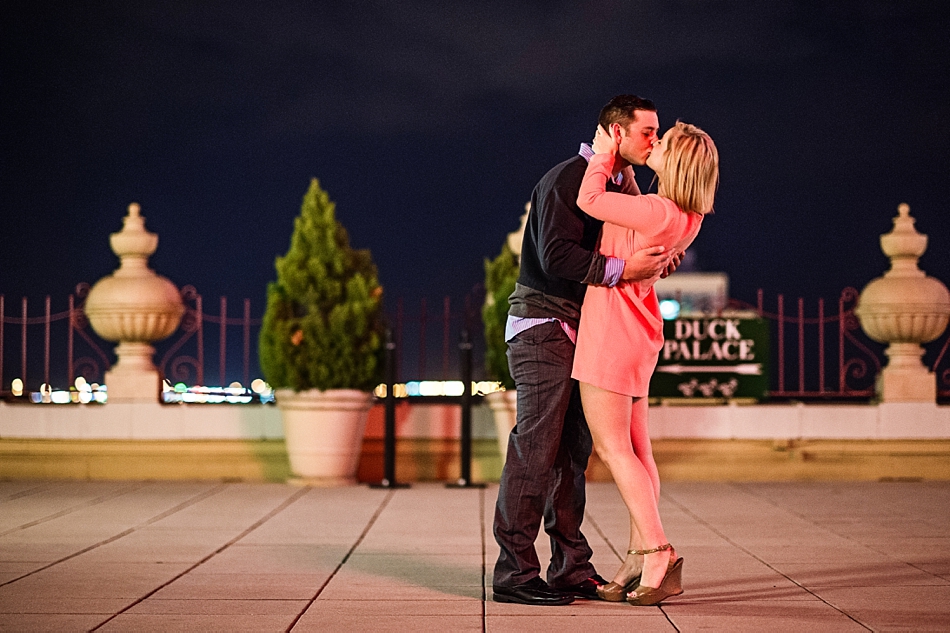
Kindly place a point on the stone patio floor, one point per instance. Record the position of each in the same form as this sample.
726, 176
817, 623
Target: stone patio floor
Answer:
174, 556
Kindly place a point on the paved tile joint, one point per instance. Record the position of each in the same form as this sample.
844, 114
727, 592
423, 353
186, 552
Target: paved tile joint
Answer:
120, 556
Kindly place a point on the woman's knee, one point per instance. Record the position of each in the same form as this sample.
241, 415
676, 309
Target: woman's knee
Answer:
612, 455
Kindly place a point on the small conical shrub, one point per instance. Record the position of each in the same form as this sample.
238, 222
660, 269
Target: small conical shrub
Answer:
501, 274
323, 327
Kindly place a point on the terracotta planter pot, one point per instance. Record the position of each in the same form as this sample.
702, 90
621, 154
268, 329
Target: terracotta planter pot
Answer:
504, 407
323, 431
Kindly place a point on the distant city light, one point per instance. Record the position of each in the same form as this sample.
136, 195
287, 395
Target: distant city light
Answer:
83, 392
453, 388
235, 393
485, 387
435, 388
399, 390
669, 309
432, 388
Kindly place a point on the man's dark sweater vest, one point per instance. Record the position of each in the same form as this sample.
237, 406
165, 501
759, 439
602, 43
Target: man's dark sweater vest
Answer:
565, 238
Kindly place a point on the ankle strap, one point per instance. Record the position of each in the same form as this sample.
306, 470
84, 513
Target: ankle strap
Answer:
651, 551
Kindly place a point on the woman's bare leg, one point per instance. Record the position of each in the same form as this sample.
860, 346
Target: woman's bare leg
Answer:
640, 439
643, 450
618, 425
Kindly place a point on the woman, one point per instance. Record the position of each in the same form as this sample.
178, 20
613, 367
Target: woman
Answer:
621, 334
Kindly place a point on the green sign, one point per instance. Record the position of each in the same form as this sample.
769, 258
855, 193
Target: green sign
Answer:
713, 357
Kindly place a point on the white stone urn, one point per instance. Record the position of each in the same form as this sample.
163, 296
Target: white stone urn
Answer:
323, 431
134, 307
504, 408
904, 308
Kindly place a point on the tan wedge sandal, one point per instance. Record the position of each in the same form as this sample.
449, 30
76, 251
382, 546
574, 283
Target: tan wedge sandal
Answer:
615, 592
671, 585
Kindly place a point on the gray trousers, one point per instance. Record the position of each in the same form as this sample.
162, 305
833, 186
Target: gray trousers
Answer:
543, 476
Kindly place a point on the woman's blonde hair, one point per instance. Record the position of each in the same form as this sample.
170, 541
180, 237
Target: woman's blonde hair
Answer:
691, 168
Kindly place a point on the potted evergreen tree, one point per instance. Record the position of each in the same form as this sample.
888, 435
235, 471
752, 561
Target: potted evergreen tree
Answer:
501, 274
321, 343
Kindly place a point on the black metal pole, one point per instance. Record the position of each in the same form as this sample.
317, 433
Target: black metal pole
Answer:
465, 441
389, 433
465, 350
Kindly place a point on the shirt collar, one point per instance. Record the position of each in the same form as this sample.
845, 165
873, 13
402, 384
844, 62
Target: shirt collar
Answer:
587, 151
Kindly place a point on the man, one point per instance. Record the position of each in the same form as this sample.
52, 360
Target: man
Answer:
549, 448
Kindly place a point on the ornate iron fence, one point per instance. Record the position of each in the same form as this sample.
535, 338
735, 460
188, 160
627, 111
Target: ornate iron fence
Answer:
817, 353
427, 336
185, 367
73, 328
941, 368
206, 348
807, 350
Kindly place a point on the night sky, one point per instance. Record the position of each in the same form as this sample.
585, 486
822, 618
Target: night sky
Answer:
430, 122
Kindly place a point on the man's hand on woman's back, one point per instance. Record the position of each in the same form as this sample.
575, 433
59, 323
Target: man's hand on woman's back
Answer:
649, 263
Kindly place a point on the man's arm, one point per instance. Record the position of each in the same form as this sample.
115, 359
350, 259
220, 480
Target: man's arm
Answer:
560, 232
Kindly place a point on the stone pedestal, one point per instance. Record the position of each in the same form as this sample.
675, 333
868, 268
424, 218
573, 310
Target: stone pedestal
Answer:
905, 379
134, 307
904, 308
134, 377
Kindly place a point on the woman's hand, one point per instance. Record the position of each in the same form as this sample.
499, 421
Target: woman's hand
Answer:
604, 143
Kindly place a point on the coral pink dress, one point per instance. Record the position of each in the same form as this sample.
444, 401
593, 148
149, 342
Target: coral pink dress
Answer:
621, 331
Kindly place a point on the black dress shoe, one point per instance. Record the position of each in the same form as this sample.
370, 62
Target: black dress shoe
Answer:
585, 589
535, 591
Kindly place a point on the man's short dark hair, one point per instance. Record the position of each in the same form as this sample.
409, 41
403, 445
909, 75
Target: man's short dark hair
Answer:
622, 109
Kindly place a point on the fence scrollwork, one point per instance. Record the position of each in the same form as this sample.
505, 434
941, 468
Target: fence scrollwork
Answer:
191, 325
943, 375
855, 367
79, 324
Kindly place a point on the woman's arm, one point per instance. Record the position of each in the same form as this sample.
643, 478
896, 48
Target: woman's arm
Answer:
647, 214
